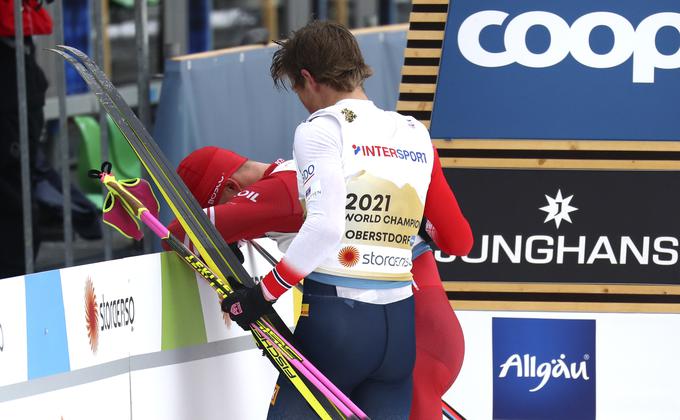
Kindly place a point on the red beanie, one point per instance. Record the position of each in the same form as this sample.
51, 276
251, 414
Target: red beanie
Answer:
206, 170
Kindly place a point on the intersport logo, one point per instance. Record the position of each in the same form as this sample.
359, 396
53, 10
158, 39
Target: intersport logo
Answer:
389, 152
565, 39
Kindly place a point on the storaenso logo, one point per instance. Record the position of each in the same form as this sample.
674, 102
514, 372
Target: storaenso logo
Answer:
106, 315
385, 260
91, 315
117, 313
526, 367
639, 43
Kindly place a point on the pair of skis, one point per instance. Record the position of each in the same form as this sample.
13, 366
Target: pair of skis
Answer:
221, 265
146, 209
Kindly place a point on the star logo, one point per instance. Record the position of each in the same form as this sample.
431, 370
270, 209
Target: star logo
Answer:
558, 209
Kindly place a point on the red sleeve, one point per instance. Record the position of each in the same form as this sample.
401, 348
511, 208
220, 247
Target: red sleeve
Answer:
450, 230
268, 205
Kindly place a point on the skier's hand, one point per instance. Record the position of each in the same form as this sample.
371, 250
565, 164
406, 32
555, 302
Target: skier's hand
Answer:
246, 305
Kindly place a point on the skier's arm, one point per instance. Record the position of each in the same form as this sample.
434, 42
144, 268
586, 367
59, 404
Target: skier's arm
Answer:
271, 209
447, 226
318, 154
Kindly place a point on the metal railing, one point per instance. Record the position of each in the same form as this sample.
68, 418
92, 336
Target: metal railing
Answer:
98, 18
296, 13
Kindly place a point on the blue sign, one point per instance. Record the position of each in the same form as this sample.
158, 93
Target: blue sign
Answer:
543, 369
45, 325
578, 69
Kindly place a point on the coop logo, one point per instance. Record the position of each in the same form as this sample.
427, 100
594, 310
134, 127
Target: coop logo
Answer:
107, 315
543, 368
638, 43
389, 152
563, 249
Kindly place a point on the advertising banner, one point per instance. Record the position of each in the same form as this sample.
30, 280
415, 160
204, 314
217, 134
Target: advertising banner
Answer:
218, 326
567, 226
238, 385
550, 365
530, 69
105, 399
13, 354
222, 356
112, 309
47, 345
529, 354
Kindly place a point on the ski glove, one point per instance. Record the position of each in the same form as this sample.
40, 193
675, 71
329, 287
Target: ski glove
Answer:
246, 305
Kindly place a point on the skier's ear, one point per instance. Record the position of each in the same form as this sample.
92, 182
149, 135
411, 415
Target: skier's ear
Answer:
231, 188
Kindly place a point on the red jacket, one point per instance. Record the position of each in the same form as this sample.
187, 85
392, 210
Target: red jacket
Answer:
36, 19
269, 205
272, 205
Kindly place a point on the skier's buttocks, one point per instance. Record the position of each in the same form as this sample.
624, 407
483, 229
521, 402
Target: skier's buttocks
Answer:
357, 324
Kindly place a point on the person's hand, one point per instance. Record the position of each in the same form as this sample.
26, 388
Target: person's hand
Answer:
424, 231
246, 305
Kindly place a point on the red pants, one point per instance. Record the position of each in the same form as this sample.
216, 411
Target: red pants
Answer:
440, 345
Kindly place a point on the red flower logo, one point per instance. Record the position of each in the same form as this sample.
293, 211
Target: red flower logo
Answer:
91, 315
348, 256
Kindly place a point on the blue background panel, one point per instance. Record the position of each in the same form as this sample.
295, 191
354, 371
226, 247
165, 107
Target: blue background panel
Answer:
45, 325
518, 394
565, 101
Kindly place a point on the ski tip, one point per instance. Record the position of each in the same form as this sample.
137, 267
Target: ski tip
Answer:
70, 50
56, 51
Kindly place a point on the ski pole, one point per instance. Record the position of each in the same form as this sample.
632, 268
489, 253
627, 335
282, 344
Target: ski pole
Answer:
186, 209
139, 210
269, 257
306, 363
